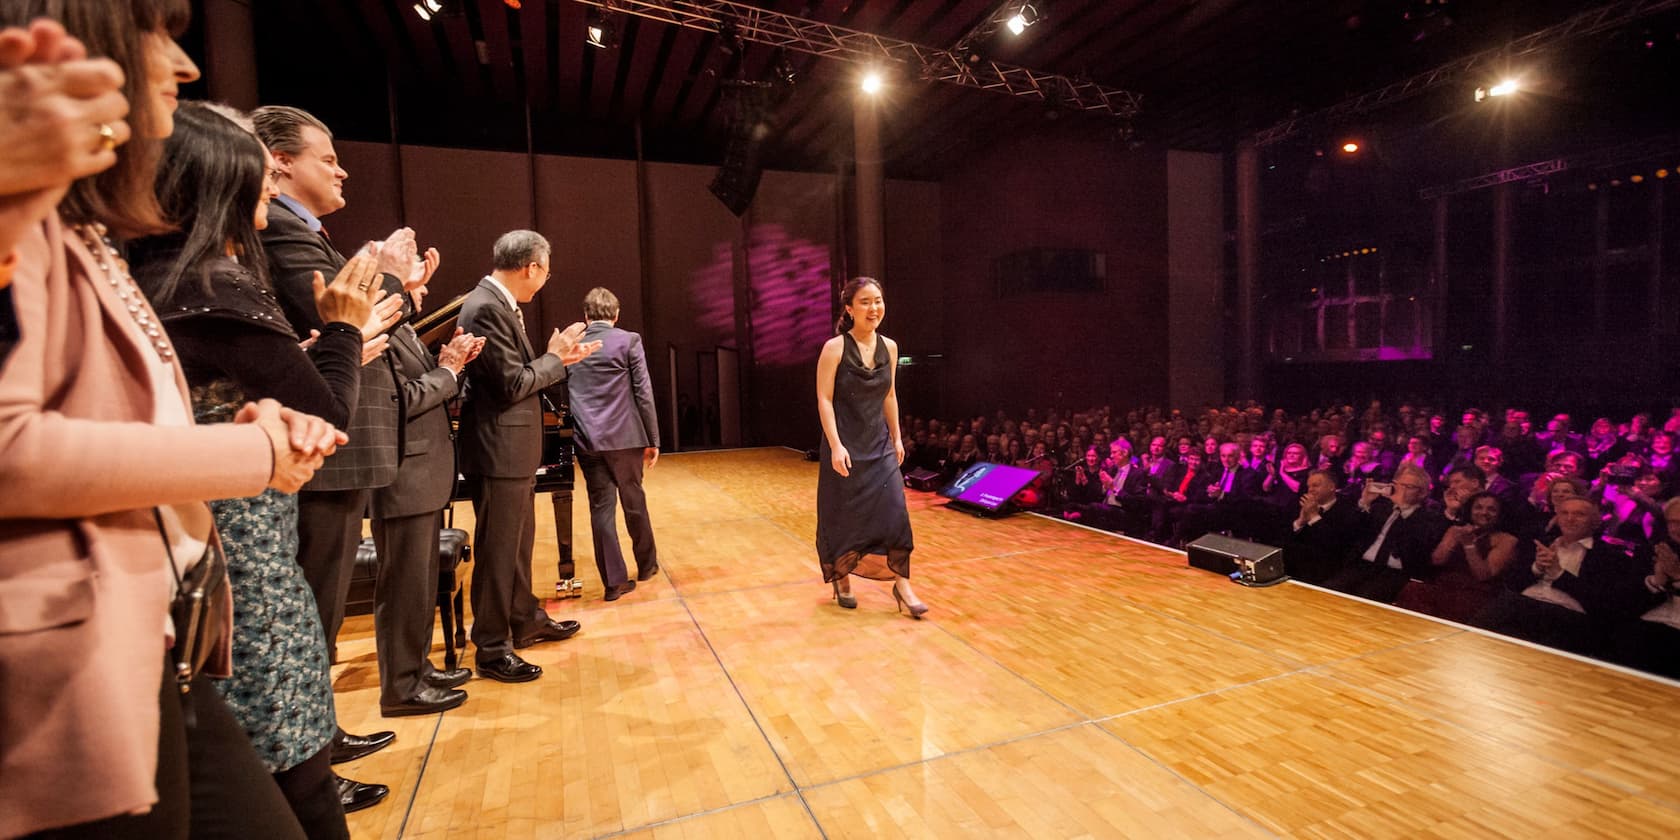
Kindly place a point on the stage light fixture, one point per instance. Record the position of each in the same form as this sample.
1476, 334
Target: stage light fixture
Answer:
1504, 88
599, 32
1662, 173
426, 8
1350, 147
1018, 22
871, 82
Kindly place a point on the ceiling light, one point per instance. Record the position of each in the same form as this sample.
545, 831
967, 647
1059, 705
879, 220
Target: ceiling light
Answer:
1505, 88
871, 82
1350, 147
599, 31
426, 8
1017, 24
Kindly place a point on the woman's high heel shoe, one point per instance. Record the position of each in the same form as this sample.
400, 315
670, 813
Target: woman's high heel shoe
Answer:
845, 599
916, 610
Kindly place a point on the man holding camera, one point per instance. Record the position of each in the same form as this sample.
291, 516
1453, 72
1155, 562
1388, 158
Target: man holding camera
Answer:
1398, 533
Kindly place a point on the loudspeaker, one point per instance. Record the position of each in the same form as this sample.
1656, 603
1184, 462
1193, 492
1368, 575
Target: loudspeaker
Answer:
922, 479
1247, 563
752, 120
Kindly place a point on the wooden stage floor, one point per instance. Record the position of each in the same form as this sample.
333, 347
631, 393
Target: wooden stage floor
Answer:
1067, 683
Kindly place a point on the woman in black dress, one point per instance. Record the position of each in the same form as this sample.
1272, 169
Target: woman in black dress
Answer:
860, 493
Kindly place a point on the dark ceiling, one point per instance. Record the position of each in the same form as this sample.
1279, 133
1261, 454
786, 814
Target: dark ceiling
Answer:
1210, 71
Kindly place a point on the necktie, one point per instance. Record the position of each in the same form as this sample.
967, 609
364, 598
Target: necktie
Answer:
1230, 476
1383, 552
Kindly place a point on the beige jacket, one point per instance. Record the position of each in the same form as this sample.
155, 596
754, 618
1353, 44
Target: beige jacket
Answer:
84, 578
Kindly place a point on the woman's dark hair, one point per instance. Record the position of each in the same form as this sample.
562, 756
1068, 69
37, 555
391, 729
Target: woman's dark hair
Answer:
121, 197
209, 184
848, 292
1470, 504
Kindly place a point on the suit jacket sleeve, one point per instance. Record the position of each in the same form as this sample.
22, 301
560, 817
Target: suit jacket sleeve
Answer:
499, 371
642, 387
295, 253
1610, 586
424, 393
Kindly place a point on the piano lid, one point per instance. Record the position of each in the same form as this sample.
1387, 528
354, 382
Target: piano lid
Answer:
437, 326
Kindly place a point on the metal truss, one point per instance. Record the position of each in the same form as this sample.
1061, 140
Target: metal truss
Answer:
1639, 151
838, 42
1527, 171
1587, 23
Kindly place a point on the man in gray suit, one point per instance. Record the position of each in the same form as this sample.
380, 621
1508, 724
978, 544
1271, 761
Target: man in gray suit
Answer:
407, 515
618, 438
501, 448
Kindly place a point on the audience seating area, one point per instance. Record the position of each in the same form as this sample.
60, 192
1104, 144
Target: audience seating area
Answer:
1550, 534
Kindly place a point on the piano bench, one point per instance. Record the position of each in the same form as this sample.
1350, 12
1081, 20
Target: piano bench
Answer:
453, 550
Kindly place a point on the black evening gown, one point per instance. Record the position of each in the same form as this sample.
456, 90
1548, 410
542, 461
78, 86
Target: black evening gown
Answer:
863, 513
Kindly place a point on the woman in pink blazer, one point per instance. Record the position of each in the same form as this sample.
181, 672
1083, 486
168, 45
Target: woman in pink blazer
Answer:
103, 477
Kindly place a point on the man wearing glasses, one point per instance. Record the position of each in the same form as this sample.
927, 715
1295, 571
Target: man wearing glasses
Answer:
501, 448
1397, 534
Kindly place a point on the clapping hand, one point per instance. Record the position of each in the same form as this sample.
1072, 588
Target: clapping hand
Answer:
1546, 561
351, 295
565, 344
424, 267
1309, 509
300, 441
1667, 563
462, 348
1464, 535
63, 120
397, 255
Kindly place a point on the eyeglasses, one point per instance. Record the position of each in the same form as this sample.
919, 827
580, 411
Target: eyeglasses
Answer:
1408, 485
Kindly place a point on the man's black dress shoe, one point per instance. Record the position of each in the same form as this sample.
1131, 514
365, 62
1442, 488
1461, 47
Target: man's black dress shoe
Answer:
347, 747
430, 699
647, 573
550, 631
355, 796
448, 679
619, 591
509, 668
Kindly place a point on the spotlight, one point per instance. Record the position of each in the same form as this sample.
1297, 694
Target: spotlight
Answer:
871, 83
426, 8
1662, 173
1350, 147
599, 32
1025, 17
1504, 88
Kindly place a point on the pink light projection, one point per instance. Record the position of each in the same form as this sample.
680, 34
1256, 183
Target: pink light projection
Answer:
791, 285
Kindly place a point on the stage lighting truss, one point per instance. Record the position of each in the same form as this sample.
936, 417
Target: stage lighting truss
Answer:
1591, 22
838, 42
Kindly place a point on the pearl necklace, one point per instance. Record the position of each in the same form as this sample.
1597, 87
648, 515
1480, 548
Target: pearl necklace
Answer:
122, 282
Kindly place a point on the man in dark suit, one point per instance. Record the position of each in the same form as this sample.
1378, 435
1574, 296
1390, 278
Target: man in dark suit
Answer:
1322, 532
331, 506
1223, 498
1397, 534
407, 515
501, 448
1572, 591
618, 438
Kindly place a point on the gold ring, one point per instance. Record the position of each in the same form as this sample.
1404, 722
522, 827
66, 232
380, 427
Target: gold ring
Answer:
107, 137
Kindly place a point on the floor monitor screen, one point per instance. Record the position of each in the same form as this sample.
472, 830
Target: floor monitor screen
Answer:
988, 485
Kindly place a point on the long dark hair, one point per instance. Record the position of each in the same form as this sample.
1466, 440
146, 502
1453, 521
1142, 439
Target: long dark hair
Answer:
209, 184
847, 292
121, 197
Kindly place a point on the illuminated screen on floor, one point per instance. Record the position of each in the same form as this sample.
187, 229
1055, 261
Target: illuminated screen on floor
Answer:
988, 485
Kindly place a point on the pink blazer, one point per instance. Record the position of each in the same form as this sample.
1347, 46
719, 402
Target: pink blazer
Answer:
84, 577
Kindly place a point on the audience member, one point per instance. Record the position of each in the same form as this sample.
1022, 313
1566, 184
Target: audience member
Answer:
1398, 535
1468, 560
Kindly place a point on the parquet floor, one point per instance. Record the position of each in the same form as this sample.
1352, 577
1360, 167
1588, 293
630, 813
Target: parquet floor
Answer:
1067, 683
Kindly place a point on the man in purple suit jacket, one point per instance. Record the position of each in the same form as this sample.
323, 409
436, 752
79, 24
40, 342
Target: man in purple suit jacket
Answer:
618, 438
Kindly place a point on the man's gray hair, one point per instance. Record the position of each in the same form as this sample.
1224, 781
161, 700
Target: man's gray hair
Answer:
517, 249
600, 305
281, 127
